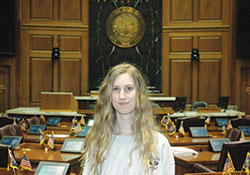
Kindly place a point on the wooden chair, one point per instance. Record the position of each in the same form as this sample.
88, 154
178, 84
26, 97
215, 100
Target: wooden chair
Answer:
35, 121
190, 122
197, 104
10, 130
237, 150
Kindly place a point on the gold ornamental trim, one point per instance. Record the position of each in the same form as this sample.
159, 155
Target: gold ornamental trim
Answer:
125, 27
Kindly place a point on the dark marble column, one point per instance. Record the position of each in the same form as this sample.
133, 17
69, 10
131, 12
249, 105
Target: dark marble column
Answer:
103, 53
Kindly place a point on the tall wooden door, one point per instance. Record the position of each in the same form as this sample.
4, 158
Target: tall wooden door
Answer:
202, 25
46, 25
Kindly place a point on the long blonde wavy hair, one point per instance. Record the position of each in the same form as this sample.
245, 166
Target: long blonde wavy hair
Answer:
97, 143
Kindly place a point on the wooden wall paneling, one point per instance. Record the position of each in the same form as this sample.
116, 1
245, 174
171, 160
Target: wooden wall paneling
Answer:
4, 88
41, 77
210, 10
55, 13
185, 7
24, 77
165, 63
196, 13
205, 78
70, 76
226, 64
42, 10
180, 78
44, 73
209, 80
70, 11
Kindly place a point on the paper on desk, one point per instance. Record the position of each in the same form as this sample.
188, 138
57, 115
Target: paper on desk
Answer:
183, 151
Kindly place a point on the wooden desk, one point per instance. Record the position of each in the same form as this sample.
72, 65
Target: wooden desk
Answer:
27, 112
3, 171
218, 173
188, 140
37, 153
227, 114
184, 164
59, 136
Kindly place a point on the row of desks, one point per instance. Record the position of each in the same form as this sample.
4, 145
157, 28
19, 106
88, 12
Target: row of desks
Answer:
184, 164
36, 152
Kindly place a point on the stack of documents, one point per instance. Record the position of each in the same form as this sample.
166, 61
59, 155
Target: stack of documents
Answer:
183, 151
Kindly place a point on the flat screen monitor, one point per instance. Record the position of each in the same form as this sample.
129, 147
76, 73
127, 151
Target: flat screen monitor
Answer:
198, 132
90, 122
216, 144
73, 145
221, 121
35, 129
13, 141
83, 132
245, 130
54, 121
57, 168
180, 104
223, 102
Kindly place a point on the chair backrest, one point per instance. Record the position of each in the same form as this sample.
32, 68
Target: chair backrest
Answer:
180, 104
35, 121
4, 152
236, 122
5, 120
237, 151
197, 104
234, 134
223, 102
10, 130
190, 122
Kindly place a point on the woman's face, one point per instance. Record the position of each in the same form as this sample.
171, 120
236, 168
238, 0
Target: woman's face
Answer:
124, 94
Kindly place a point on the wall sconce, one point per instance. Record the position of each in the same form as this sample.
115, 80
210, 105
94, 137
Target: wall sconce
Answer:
195, 54
55, 53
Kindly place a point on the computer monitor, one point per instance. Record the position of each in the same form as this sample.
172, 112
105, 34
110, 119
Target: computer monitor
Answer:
73, 145
223, 103
216, 144
13, 141
54, 121
198, 132
57, 168
221, 121
245, 130
83, 132
35, 129
180, 104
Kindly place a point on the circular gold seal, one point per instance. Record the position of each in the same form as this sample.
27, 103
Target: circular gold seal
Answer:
125, 26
